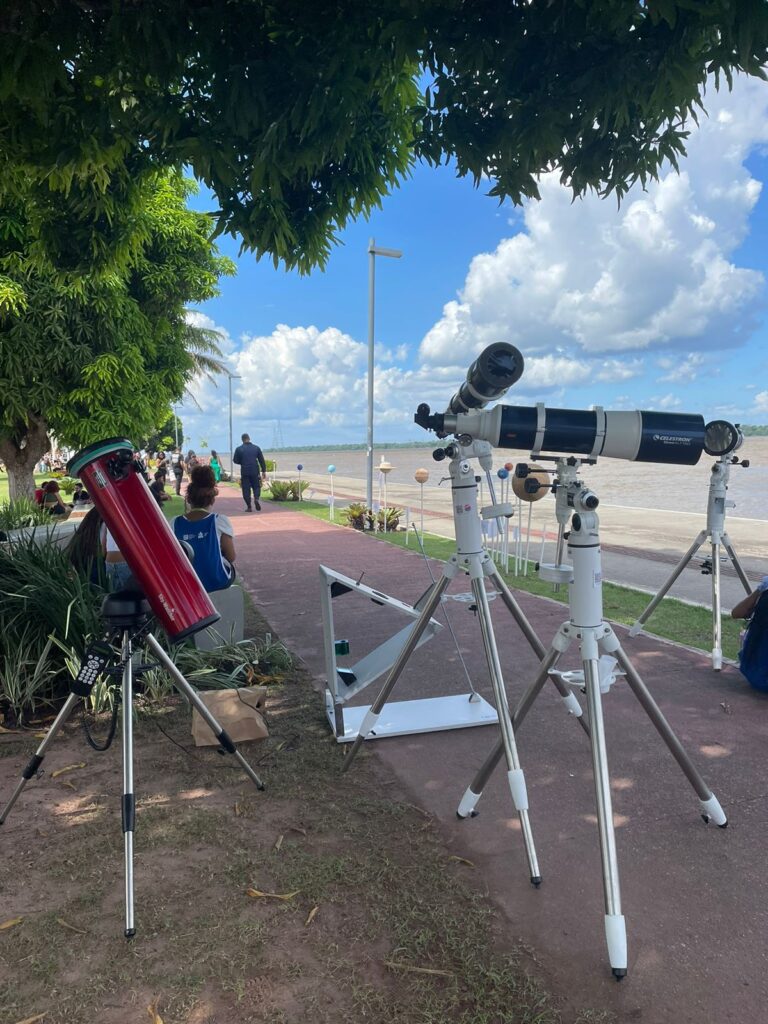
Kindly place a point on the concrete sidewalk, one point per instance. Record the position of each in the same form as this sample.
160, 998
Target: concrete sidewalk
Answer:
695, 897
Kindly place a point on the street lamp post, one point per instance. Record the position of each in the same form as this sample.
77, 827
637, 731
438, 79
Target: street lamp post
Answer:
373, 252
230, 378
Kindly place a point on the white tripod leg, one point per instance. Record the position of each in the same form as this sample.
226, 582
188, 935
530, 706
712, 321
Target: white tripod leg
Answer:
515, 776
615, 928
635, 629
717, 625
726, 542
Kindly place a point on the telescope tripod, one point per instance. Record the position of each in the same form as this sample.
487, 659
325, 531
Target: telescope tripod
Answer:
715, 532
126, 613
472, 558
594, 636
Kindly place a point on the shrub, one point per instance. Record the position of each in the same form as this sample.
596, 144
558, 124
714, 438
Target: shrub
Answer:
358, 516
389, 515
297, 488
15, 515
67, 484
280, 490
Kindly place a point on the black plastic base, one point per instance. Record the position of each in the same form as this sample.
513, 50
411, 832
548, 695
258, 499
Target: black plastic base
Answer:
724, 825
261, 787
463, 817
619, 973
129, 933
536, 880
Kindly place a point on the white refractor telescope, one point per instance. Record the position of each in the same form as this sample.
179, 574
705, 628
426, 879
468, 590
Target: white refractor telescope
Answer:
637, 436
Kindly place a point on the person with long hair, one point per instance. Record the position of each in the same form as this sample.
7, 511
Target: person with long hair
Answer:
209, 534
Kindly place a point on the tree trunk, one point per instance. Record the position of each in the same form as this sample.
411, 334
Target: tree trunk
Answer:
21, 452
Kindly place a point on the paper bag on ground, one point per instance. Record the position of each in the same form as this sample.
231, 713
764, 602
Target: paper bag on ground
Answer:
236, 711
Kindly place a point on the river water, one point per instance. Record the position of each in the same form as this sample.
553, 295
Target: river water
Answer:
636, 485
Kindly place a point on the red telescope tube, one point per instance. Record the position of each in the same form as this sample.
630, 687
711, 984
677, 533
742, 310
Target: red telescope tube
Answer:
114, 479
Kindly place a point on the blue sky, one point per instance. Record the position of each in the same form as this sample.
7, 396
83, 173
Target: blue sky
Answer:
659, 304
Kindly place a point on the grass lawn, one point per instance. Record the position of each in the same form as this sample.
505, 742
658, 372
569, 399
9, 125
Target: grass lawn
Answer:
673, 620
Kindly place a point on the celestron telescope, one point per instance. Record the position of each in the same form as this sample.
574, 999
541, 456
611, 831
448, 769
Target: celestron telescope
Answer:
636, 436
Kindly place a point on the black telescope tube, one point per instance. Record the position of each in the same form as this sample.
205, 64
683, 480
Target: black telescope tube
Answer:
673, 438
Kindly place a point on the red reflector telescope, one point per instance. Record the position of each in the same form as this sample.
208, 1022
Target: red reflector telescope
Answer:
112, 475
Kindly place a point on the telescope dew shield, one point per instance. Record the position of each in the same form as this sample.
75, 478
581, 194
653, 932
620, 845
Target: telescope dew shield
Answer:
119, 491
494, 371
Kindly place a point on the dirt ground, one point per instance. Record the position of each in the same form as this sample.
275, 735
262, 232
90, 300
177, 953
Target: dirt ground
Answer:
371, 917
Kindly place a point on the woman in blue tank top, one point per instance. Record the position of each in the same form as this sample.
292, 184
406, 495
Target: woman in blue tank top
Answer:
209, 534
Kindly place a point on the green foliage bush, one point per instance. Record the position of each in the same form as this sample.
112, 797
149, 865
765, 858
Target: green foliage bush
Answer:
362, 518
287, 490
15, 515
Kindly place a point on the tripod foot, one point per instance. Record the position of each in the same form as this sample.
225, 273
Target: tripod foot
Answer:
536, 880
635, 628
717, 660
466, 808
712, 811
129, 933
616, 939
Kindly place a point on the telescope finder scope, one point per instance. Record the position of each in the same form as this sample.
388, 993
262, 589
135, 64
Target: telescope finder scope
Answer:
495, 370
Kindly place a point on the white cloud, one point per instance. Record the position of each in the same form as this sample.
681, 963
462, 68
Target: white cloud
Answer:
670, 401
761, 403
682, 369
655, 273
619, 369
198, 319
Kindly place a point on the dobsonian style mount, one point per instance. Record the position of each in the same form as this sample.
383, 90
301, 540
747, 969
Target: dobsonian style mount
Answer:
717, 535
126, 616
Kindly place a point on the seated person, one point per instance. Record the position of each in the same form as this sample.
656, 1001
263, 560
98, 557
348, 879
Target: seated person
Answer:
158, 488
39, 492
52, 502
753, 656
80, 496
209, 534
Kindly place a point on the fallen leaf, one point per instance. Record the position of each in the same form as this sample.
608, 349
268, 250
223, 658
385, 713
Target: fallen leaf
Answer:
3, 729
67, 768
31, 1020
238, 810
69, 785
71, 927
154, 1016
417, 970
278, 843
298, 828
311, 916
461, 860
256, 893
39, 736
10, 924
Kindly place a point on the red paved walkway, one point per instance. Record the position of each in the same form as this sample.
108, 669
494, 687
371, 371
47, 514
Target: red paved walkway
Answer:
695, 897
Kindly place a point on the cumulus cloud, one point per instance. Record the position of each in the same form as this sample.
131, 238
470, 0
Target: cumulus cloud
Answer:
682, 369
761, 403
657, 272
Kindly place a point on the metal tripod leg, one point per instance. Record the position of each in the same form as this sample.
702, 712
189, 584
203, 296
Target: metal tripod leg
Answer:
32, 766
193, 697
515, 775
635, 629
709, 804
717, 625
615, 927
726, 542
129, 799
466, 808
368, 723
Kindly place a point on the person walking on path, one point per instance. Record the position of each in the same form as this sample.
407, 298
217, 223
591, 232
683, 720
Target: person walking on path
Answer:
215, 465
177, 465
250, 458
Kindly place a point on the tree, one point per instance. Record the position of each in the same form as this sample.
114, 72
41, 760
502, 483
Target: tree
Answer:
299, 116
96, 355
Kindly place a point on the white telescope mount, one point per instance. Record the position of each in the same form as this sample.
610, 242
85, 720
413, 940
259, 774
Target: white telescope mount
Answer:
600, 652
717, 535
